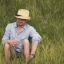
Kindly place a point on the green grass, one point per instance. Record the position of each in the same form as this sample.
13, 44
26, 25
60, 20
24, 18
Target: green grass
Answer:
47, 16
46, 54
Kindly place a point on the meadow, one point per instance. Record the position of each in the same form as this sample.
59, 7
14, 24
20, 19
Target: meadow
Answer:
47, 17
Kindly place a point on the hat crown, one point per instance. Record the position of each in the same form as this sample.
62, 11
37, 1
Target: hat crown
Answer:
23, 12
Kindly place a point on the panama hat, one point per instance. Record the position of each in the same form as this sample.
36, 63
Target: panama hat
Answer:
23, 14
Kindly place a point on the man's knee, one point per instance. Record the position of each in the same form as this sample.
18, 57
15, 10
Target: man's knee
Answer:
6, 46
26, 41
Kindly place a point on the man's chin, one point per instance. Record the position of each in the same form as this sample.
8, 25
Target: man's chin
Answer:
19, 24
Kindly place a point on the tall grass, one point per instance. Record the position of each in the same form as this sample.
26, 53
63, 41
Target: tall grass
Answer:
47, 16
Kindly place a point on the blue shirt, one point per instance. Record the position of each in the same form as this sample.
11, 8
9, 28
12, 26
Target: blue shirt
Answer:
26, 32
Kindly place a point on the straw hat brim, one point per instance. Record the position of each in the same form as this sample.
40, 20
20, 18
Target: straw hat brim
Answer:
27, 18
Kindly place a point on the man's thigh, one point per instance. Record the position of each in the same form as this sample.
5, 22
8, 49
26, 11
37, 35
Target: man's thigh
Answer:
13, 52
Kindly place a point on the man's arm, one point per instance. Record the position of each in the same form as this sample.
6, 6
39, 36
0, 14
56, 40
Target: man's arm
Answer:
6, 37
34, 47
12, 42
36, 38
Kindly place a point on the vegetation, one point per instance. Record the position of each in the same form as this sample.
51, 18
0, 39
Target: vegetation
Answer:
47, 16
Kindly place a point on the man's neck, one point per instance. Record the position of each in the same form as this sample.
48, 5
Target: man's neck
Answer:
19, 28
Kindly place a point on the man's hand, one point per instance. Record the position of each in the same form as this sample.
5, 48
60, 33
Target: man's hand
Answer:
31, 56
13, 42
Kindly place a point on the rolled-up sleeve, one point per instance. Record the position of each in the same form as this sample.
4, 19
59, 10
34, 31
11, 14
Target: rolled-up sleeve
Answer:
6, 34
35, 35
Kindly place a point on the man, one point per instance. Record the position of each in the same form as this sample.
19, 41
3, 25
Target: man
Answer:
16, 36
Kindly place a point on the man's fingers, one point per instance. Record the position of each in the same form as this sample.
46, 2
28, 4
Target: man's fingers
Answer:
15, 44
16, 41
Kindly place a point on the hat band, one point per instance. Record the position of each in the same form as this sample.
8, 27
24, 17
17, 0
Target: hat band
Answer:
18, 15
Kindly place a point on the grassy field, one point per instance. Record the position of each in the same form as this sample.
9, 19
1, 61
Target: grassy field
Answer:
47, 16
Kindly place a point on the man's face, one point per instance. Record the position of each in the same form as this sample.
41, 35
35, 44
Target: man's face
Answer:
21, 22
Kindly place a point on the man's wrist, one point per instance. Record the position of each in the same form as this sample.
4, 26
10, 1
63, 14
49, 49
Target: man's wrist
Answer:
32, 54
6, 41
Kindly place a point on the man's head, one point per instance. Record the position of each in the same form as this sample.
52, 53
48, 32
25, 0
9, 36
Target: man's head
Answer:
22, 16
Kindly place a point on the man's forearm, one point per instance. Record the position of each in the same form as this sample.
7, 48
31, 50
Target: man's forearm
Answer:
6, 41
34, 47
